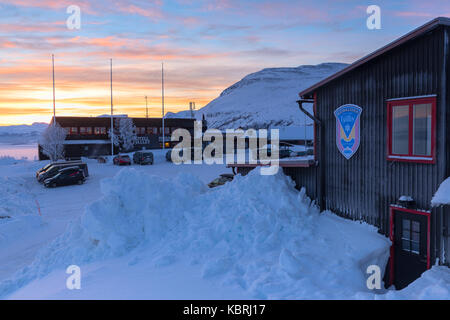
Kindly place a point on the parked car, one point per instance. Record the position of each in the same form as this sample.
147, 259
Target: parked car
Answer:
307, 152
45, 168
190, 150
224, 178
169, 156
285, 152
143, 157
122, 160
66, 176
101, 159
262, 151
54, 169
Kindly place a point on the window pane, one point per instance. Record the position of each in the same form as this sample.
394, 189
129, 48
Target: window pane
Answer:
415, 247
400, 129
406, 245
406, 224
415, 237
416, 226
422, 129
406, 234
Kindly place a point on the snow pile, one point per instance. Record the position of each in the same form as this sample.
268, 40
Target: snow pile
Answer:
434, 284
442, 196
18, 210
263, 99
257, 233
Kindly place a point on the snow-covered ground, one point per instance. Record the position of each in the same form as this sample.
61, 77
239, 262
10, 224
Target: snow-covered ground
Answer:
157, 232
21, 196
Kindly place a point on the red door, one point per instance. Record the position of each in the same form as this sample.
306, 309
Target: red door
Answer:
410, 252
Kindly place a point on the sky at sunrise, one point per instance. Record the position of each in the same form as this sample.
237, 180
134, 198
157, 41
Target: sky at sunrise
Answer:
206, 46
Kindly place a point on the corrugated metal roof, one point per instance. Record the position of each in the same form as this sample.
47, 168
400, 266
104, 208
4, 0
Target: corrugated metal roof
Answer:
409, 36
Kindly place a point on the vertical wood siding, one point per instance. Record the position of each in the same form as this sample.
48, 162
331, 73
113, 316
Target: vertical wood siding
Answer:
363, 187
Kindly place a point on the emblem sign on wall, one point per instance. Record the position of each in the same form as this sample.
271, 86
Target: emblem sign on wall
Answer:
348, 129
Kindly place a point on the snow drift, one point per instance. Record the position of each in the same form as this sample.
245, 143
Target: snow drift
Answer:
272, 246
263, 99
434, 284
442, 196
18, 210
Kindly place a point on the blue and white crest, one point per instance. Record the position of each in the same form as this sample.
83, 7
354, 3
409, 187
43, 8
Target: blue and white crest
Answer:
348, 129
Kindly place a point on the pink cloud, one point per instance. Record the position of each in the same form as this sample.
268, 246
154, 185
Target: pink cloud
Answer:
413, 14
154, 13
85, 5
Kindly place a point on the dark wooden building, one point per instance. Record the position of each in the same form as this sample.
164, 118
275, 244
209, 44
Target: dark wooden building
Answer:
88, 136
382, 128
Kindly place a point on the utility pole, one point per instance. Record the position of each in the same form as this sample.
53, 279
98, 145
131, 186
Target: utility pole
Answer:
162, 88
112, 112
54, 99
146, 107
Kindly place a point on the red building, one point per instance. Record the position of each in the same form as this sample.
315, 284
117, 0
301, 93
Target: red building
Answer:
88, 136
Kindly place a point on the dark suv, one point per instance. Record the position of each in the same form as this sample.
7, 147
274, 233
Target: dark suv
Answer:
143, 157
181, 152
56, 168
43, 169
67, 176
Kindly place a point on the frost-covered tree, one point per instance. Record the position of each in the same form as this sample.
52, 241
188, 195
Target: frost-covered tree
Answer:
52, 142
124, 134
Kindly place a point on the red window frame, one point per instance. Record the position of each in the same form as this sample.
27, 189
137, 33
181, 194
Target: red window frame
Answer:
99, 130
410, 157
85, 130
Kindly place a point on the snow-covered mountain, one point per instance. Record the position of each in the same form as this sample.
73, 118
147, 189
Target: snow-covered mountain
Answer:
263, 99
21, 134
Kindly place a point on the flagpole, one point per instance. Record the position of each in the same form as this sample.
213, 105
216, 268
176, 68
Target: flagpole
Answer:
162, 88
146, 107
54, 99
112, 112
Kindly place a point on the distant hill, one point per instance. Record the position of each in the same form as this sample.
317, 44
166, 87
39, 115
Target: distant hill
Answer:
263, 99
22, 134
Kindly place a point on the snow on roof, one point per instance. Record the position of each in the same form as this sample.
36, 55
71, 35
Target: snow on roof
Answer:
442, 196
114, 116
